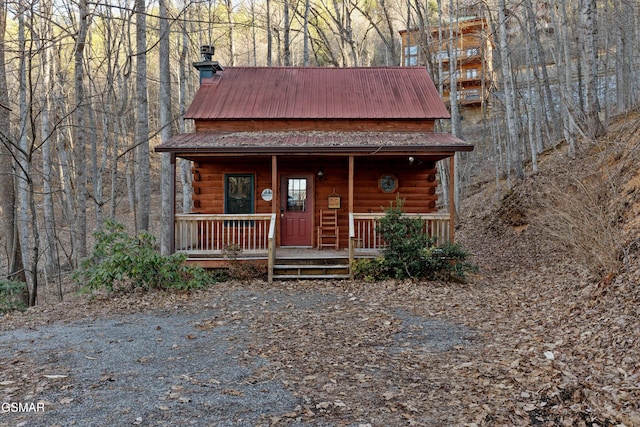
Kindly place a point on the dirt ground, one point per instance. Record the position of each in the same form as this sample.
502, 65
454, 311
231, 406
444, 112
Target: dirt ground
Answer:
531, 340
536, 338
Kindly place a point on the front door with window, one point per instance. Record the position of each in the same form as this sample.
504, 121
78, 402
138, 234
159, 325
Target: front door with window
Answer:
296, 210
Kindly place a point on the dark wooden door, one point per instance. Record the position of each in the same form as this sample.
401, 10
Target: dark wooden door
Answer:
296, 210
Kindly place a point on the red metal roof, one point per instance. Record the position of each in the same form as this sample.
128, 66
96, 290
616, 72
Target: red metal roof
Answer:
292, 142
318, 93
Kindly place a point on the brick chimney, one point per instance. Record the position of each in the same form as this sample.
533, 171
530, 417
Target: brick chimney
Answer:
207, 67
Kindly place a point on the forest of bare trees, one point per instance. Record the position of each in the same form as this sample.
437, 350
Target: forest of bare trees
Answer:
88, 89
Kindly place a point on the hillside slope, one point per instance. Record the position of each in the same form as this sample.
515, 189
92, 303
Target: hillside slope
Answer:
560, 258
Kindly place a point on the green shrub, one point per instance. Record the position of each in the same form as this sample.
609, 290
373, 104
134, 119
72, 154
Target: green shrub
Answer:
448, 261
124, 262
11, 295
369, 269
411, 253
405, 239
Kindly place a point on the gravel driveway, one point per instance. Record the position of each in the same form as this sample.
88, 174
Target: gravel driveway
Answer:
205, 363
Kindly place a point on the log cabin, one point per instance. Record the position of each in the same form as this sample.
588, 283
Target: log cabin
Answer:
294, 166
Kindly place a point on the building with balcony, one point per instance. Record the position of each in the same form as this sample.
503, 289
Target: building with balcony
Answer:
469, 44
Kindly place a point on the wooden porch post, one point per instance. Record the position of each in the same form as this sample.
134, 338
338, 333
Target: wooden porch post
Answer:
351, 248
275, 185
172, 213
351, 175
452, 199
275, 201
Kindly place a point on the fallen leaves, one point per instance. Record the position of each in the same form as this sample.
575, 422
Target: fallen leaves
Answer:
525, 346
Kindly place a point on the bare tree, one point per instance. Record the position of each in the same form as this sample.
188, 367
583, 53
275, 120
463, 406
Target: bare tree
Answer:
269, 35
26, 215
47, 67
305, 54
167, 182
587, 33
382, 21
230, 33
564, 72
515, 158
286, 48
15, 268
143, 166
79, 133
185, 165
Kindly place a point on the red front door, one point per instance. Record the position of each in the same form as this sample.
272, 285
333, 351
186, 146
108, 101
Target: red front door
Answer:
296, 210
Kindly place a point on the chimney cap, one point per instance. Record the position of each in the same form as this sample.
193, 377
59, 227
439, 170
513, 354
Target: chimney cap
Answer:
207, 52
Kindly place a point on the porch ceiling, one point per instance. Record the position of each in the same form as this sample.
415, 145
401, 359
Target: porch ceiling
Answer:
321, 143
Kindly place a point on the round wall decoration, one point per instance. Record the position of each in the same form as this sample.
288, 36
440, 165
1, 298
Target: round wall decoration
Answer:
388, 183
267, 194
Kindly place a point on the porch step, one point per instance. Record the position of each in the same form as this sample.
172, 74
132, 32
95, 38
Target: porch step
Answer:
311, 277
305, 268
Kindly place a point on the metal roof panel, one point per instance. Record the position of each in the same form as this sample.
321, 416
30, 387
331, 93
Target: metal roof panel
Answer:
318, 93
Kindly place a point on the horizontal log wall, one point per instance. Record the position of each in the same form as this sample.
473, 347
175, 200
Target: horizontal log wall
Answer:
208, 183
417, 185
348, 125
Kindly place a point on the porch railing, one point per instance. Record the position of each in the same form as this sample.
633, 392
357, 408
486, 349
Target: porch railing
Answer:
271, 239
365, 238
204, 234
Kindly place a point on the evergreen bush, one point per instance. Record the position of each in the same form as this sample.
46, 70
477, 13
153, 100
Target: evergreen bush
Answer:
11, 292
411, 253
124, 262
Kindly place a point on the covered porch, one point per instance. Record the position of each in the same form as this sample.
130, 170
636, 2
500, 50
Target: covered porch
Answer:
213, 241
258, 194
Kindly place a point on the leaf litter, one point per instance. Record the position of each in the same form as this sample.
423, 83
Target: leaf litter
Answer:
533, 339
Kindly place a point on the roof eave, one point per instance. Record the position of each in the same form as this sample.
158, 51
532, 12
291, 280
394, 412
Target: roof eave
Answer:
359, 150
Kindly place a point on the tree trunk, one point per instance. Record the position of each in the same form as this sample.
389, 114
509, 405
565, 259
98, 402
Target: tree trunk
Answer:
15, 268
96, 178
592, 125
253, 33
542, 82
565, 75
305, 53
167, 181
627, 46
142, 173
25, 186
47, 69
533, 104
515, 157
388, 35
185, 165
456, 129
65, 176
287, 35
79, 138
269, 35
230, 35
